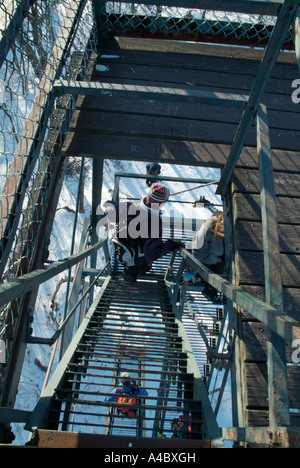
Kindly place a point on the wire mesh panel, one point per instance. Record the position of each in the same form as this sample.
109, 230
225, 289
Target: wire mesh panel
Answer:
190, 22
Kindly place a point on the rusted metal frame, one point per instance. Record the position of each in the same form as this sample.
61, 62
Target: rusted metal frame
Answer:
262, 7
19, 286
39, 414
283, 437
285, 18
95, 88
283, 325
60, 439
190, 180
35, 132
277, 371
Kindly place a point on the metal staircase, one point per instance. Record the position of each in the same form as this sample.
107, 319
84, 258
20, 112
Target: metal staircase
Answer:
128, 328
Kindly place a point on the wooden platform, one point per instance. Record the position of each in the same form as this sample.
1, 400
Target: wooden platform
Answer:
136, 129
201, 135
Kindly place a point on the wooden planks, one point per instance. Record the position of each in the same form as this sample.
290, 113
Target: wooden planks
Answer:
185, 132
249, 267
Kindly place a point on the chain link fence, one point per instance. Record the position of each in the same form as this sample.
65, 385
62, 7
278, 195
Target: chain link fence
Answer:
41, 41
194, 24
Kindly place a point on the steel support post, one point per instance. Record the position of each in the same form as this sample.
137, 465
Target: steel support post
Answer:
277, 372
283, 22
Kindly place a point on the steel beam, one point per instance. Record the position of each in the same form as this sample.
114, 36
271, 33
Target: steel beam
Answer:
19, 286
165, 178
94, 88
284, 20
277, 371
9, 415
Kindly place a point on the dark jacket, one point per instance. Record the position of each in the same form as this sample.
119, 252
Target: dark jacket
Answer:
137, 221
